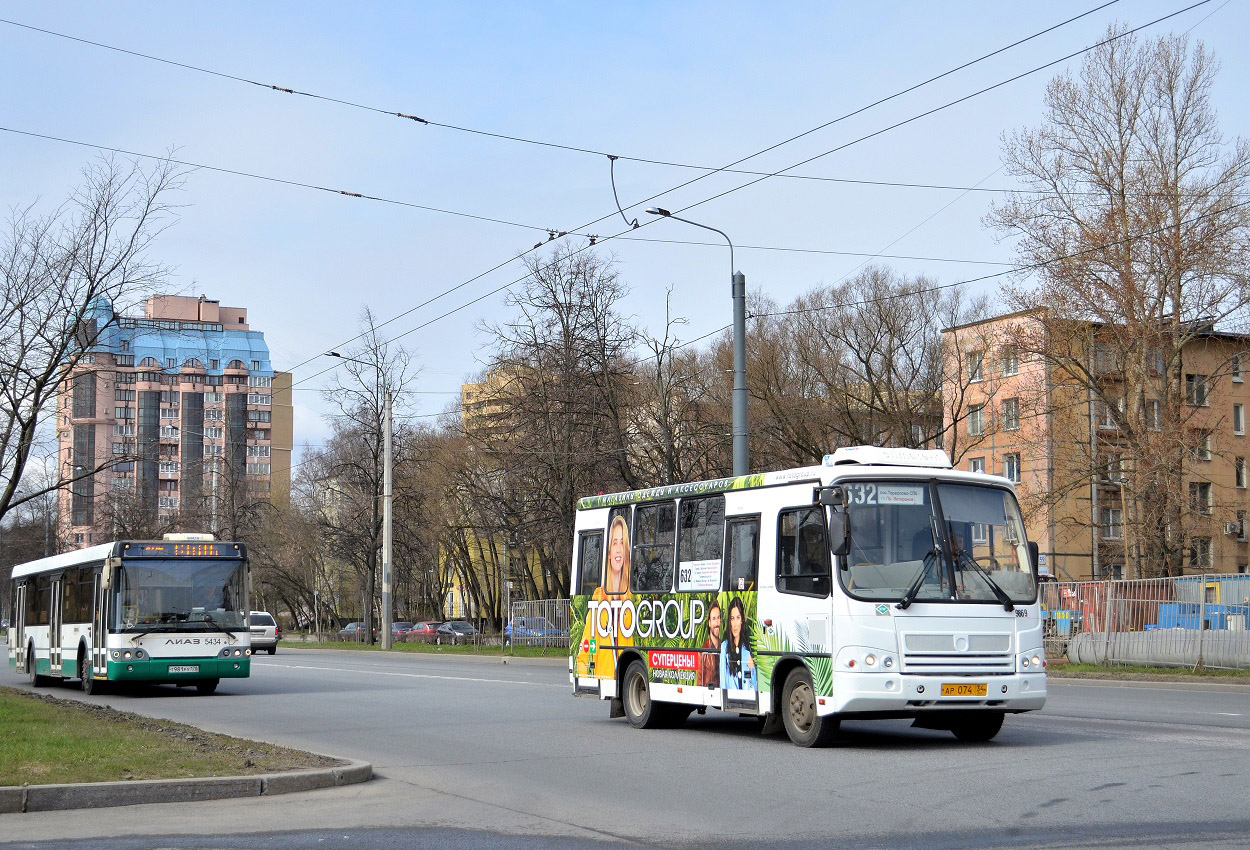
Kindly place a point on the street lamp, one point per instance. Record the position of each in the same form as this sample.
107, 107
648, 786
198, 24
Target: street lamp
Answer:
738, 290
386, 498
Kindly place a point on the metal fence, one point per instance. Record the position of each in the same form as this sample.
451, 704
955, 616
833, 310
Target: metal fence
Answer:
539, 622
1190, 621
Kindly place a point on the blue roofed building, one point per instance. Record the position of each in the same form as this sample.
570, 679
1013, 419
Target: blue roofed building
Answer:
184, 415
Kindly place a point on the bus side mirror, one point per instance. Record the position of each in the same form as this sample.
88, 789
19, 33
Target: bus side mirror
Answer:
1034, 556
839, 532
106, 574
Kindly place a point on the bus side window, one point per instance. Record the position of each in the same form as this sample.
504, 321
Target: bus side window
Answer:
589, 562
802, 552
651, 563
700, 543
742, 552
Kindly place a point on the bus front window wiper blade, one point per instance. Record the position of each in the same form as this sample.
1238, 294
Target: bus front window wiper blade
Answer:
216, 627
999, 593
910, 595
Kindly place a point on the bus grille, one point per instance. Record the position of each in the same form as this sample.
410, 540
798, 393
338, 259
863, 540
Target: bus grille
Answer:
962, 654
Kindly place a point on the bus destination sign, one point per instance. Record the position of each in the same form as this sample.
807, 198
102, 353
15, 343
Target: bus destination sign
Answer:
181, 550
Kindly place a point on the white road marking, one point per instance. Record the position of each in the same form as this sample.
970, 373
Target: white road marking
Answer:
418, 675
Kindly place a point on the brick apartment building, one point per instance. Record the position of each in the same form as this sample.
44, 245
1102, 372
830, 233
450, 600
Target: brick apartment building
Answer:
1019, 415
187, 397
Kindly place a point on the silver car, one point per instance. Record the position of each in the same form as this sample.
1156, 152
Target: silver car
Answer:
265, 632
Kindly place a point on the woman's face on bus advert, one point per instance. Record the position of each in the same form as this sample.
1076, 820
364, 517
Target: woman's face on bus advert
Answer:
735, 623
617, 547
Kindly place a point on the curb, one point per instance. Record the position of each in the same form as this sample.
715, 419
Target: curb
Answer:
50, 798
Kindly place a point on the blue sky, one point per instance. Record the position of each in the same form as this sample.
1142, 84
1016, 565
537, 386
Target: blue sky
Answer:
699, 83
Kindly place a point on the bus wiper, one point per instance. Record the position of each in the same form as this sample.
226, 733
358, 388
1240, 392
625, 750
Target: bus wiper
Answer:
1001, 595
208, 618
910, 595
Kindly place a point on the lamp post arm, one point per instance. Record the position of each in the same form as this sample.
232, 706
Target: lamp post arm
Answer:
724, 236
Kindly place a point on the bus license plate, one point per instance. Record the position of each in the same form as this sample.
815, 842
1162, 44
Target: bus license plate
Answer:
195, 668
963, 690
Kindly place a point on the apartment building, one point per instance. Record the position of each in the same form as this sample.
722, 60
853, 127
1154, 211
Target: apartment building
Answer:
186, 400
1090, 436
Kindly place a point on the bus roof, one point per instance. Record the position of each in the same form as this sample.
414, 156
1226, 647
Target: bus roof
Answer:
64, 560
842, 461
94, 554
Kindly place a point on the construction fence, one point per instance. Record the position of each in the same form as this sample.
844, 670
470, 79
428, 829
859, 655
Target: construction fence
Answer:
1189, 621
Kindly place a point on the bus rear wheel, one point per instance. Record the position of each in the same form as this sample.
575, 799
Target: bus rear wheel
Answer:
805, 727
978, 727
206, 686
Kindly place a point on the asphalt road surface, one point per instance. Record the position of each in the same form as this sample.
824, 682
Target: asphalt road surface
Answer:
472, 753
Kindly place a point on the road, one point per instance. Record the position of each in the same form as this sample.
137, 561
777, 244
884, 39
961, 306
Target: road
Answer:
474, 753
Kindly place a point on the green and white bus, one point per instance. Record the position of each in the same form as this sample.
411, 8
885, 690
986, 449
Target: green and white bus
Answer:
153, 611
880, 584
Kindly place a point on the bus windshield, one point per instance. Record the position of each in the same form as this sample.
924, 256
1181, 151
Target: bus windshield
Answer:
168, 594
927, 541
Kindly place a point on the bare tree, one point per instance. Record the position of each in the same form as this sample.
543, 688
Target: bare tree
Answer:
354, 462
51, 269
1134, 215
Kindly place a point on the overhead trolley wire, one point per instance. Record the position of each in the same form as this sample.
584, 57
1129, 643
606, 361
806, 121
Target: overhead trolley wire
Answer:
583, 150
771, 174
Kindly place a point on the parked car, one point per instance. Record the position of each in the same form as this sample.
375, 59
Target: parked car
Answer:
424, 632
353, 631
265, 631
399, 629
534, 631
455, 631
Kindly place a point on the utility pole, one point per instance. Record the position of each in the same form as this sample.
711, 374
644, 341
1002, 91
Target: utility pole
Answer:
387, 499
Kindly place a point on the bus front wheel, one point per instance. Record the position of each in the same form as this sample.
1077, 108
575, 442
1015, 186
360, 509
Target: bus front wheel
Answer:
798, 711
89, 685
640, 710
206, 686
978, 727
36, 681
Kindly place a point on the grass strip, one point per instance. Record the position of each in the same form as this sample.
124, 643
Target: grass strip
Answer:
49, 741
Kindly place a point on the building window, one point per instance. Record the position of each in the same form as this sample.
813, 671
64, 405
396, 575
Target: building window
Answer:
1234, 367
120, 395
1104, 360
975, 362
214, 414
1011, 414
1011, 467
1200, 497
213, 433
212, 451
976, 420
171, 362
169, 467
1239, 420
1196, 389
1239, 472
1241, 526
1112, 524
123, 430
1200, 553
1154, 415
1106, 415
124, 359
214, 364
258, 451
1009, 358
169, 432
976, 464
167, 501
255, 365
259, 398
123, 413
1202, 445
259, 381
1156, 359
258, 469
169, 413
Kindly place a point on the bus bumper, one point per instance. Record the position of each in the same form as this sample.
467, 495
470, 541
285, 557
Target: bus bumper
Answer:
176, 669
855, 693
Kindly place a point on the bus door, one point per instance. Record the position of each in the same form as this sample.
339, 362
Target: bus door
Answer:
99, 625
18, 646
55, 618
739, 614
